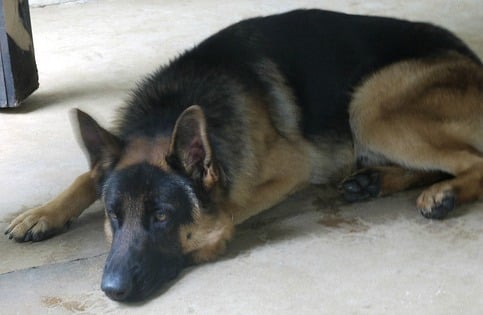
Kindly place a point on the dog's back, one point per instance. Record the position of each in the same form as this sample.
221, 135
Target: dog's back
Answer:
321, 56
301, 67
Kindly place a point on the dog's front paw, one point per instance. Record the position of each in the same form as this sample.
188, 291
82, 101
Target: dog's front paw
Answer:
361, 185
36, 224
436, 204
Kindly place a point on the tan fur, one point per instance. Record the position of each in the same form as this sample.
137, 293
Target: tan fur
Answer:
107, 230
425, 115
406, 115
395, 179
140, 150
206, 238
55, 214
194, 113
277, 167
280, 165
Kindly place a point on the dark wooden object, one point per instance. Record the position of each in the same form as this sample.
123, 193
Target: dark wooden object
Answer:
18, 76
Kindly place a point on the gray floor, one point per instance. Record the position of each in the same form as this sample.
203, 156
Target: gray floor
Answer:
311, 255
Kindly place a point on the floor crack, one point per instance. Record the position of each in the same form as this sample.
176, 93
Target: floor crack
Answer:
55, 263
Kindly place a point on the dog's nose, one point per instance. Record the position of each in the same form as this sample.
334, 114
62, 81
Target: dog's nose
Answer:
116, 287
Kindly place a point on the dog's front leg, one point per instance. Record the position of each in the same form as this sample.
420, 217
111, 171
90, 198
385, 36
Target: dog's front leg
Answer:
42, 222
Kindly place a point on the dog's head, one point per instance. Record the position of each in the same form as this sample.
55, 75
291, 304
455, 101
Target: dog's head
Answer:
158, 194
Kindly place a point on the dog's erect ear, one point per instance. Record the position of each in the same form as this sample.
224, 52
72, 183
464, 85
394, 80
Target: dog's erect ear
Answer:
102, 147
190, 148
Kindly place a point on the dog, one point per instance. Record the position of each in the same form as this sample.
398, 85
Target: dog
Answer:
260, 110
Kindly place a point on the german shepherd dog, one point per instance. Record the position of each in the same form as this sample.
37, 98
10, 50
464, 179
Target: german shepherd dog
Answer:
258, 111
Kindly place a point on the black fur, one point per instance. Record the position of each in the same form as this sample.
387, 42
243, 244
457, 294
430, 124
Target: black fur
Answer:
323, 56
320, 55
217, 136
145, 252
348, 48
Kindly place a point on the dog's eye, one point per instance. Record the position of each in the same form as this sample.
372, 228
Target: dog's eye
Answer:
161, 216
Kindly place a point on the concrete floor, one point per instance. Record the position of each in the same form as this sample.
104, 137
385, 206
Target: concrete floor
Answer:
311, 255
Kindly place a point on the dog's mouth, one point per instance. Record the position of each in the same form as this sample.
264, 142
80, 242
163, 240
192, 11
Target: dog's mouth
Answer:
138, 283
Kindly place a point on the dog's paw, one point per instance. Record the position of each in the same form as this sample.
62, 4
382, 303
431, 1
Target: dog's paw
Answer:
36, 225
436, 204
361, 185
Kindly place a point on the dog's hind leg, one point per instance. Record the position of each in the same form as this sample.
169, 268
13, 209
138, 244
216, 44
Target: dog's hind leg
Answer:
436, 201
425, 116
42, 222
384, 180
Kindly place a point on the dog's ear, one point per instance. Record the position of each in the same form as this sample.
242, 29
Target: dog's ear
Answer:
103, 148
190, 150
